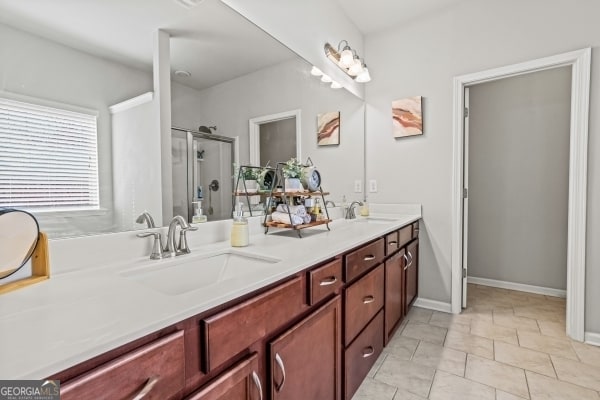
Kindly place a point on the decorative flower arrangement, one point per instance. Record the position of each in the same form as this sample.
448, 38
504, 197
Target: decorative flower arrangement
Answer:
293, 169
251, 174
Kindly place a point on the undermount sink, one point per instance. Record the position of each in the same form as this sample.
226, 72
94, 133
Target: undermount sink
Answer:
188, 273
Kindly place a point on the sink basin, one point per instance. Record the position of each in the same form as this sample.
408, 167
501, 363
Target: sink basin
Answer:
375, 220
188, 273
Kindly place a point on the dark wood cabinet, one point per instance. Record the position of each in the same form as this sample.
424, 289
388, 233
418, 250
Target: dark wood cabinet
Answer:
241, 382
411, 274
394, 293
305, 361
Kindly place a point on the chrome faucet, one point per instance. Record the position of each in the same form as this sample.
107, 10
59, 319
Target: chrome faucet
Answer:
174, 249
350, 213
145, 217
329, 203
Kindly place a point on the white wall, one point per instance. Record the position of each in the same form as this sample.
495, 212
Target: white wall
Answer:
283, 87
39, 68
421, 58
519, 178
305, 26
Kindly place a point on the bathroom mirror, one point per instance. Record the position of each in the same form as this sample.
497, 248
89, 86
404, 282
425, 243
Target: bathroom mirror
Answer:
19, 232
99, 54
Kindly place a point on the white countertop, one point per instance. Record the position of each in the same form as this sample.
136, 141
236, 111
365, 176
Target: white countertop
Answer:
82, 313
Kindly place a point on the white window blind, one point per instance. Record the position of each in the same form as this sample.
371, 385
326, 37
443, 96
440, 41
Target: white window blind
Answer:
48, 158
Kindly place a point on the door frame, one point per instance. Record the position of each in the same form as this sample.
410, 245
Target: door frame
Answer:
580, 61
254, 133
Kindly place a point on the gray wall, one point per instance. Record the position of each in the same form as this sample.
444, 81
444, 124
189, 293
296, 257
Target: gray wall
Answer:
468, 37
518, 178
277, 141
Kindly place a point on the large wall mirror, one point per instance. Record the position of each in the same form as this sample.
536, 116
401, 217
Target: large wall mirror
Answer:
71, 62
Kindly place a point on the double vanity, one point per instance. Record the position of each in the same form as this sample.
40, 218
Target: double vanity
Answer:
284, 318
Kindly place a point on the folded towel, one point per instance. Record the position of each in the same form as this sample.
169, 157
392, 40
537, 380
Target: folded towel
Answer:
294, 210
284, 217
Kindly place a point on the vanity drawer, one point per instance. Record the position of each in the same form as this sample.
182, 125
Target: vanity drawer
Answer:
362, 354
229, 332
415, 229
158, 365
324, 281
363, 259
405, 235
363, 300
391, 243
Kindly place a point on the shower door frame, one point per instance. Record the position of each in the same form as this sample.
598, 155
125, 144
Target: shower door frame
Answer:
190, 136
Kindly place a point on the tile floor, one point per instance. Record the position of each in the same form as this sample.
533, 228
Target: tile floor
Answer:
506, 345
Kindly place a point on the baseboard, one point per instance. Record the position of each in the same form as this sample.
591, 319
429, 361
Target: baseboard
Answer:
592, 338
433, 305
518, 286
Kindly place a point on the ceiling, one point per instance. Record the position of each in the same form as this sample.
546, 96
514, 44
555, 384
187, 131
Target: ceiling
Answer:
377, 15
210, 40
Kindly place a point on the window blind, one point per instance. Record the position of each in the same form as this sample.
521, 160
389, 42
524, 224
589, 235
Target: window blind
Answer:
48, 158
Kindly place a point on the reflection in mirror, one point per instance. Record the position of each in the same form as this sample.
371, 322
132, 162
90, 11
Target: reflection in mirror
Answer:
96, 56
19, 234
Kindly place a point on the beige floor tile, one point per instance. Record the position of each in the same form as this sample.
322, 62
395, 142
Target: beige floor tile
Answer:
493, 331
521, 357
587, 353
546, 344
577, 373
500, 395
371, 389
501, 376
451, 387
544, 388
377, 365
417, 314
552, 328
468, 343
407, 375
460, 322
441, 358
401, 346
402, 394
426, 332
516, 322
539, 313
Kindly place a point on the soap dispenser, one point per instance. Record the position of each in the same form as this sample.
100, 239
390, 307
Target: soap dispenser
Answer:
198, 216
240, 235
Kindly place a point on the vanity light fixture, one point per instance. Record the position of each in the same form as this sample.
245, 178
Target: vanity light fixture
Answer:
335, 85
182, 73
326, 78
348, 61
316, 71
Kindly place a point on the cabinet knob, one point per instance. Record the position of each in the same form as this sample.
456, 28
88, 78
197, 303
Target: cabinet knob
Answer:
256, 380
368, 299
279, 362
368, 351
328, 281
147, 388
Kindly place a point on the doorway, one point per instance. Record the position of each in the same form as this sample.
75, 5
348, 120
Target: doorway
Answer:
275, 138
578, 132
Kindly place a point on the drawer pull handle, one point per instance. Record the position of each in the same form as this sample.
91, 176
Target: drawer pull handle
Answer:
279, 362
411, 258
256, 380
368, 299
393, 242
147, 388
328, 281
369, 257
368, 351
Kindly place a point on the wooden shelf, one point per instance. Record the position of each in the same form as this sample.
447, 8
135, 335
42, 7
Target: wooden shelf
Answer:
300, 194
273, 224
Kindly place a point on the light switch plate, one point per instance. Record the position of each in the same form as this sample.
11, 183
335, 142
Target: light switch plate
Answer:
358, 186
373, 186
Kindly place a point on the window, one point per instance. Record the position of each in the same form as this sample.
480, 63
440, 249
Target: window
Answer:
48, 158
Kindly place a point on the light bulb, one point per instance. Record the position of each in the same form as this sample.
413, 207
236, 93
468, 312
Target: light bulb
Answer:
326, 78
364, 76
335, 85
316, 71
355, 68
346, 57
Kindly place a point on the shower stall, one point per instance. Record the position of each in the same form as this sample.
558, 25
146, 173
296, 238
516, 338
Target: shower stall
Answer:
202, 171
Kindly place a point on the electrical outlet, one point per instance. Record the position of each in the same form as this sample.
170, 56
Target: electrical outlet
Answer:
373, 186
358, 186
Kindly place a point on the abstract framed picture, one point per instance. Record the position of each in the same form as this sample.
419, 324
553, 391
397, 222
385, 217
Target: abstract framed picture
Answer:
407, 117
328, 128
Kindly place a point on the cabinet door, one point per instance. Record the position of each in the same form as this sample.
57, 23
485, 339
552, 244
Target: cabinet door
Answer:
305, 361
411, 275
394, 292
241, 382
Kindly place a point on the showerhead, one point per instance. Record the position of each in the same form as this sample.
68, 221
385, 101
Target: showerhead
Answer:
207, 129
